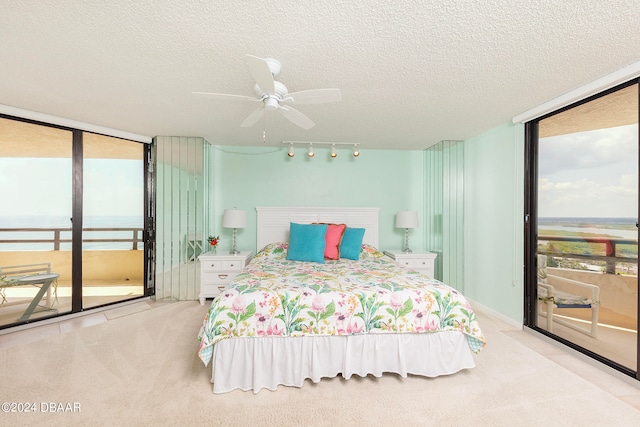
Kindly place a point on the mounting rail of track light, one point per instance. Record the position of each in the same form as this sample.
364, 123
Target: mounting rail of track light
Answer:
310, 145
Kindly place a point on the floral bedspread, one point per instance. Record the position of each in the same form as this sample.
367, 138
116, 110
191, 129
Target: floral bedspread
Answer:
274, 296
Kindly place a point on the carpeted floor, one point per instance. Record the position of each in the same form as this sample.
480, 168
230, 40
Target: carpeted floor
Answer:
138, 366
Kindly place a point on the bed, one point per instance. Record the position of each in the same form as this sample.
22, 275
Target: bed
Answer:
286, 319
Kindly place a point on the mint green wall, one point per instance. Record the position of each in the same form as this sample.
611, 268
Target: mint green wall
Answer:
493, 216
246, 177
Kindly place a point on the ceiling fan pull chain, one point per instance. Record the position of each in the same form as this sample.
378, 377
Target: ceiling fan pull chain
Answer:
264, 129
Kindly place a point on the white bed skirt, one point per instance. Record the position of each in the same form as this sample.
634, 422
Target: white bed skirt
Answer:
266, 362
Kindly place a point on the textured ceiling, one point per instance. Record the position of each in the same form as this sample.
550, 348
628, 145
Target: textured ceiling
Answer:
412, 73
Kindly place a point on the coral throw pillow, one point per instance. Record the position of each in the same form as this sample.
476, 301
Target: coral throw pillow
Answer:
333, 239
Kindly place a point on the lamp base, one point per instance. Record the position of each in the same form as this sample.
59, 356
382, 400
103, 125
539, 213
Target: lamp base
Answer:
406, 249
234, 250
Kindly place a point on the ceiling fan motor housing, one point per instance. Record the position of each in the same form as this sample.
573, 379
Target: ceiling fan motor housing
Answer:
271, 103
271, 100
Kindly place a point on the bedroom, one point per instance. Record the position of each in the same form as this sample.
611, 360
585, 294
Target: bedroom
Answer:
493, 152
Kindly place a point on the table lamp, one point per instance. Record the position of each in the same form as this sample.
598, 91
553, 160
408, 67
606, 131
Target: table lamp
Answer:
407, 220
234, 218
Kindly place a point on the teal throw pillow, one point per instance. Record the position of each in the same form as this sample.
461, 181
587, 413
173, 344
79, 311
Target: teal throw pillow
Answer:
306, 242
351, 243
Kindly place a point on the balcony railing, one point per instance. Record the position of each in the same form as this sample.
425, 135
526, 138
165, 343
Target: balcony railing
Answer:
56, 236
608, 253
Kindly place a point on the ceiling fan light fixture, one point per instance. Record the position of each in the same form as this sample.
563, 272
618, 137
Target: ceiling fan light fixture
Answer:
271, 103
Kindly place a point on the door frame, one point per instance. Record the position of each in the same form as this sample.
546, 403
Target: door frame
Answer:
531, 238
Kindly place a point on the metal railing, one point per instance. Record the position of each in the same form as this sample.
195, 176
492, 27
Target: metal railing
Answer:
56, 237
609, 249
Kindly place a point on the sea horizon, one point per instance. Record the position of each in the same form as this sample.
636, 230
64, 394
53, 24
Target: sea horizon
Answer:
623, 227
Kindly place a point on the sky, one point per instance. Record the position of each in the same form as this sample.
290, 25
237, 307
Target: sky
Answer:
42, 186
589, 174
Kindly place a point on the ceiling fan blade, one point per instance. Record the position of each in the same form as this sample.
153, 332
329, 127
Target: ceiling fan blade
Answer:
296, 117
227, 96
253, 118
261, 73
314, 96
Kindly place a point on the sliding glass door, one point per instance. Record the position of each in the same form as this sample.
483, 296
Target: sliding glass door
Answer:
35, 221
584, 226
112, 220
72, 220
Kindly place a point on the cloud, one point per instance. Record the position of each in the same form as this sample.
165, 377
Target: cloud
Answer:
586, 197
589, 173
588, 150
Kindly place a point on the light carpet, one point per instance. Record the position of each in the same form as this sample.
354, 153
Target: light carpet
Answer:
142, 369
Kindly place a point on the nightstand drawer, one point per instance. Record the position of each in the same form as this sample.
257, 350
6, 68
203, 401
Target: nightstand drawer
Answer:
407, 262
218, 278
222, 265
422, 264
212, 290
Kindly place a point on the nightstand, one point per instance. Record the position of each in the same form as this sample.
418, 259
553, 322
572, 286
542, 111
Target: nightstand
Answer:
419, 261
218, 270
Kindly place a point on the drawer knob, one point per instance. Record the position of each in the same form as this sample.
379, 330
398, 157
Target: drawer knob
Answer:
222, 276
231, 265
213, 265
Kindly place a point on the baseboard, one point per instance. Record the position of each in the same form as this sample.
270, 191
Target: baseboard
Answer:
483, 308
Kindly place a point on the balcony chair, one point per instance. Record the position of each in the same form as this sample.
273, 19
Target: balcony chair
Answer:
40, 275
561, 292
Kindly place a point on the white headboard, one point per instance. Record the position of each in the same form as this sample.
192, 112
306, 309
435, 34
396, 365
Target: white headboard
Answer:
273, 222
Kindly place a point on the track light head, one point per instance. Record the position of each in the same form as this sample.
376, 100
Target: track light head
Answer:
332, 145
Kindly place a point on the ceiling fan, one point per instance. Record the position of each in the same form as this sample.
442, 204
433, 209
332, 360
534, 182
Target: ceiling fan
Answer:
274, 95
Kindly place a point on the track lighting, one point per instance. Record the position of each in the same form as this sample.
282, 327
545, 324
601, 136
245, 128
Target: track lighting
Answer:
333, 146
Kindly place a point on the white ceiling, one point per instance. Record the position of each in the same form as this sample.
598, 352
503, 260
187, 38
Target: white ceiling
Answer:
412, 73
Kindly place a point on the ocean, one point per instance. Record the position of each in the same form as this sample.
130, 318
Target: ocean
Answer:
624, 227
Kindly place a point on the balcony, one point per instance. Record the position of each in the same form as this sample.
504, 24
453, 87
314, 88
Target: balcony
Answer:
612, 265
112, 270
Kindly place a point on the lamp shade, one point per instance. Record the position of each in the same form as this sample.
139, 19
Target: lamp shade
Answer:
234, 218
407, 219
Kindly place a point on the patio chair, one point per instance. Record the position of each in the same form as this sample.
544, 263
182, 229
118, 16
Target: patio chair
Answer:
40, 275
561, 292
